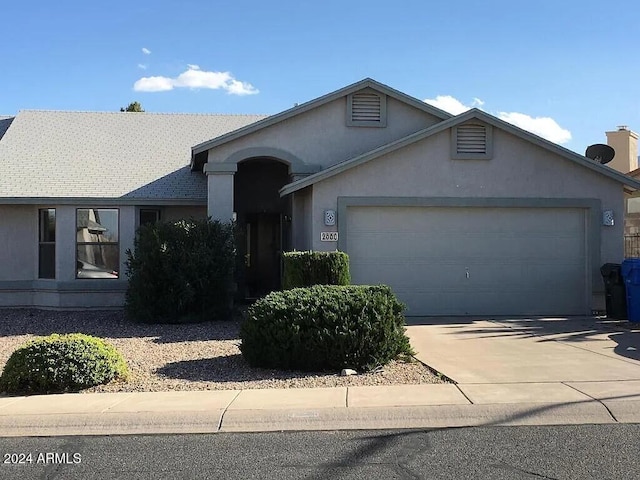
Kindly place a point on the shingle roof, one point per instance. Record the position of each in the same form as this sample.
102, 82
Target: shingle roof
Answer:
5, 122
53, 154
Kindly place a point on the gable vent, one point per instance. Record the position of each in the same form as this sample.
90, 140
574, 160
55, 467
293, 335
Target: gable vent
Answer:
366, 107
471, 139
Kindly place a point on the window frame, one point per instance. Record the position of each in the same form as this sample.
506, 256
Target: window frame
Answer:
42, 242
117, 244
157, 211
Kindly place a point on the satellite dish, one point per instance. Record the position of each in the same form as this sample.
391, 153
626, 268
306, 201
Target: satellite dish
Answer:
600, 152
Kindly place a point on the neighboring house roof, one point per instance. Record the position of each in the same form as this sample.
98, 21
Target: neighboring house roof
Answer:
68, 155
635, 173
5, 123
452, 122
305, 107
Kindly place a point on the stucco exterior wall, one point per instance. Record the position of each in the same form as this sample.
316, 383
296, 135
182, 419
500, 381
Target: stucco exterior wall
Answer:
322, 137
518, 169
18, 237
301, 224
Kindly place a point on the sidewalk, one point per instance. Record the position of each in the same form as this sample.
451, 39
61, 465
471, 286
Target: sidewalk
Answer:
509, 372
390, 407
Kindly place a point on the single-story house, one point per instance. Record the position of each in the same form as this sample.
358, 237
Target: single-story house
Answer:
460, 215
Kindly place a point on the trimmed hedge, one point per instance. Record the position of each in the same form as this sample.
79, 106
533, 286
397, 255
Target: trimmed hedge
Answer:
325, 327
181, 272
62, 363
303, 269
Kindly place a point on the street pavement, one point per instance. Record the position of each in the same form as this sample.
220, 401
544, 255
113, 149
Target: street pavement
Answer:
498, 453
507, 372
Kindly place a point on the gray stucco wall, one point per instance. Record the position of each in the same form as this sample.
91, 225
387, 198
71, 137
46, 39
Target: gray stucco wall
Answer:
18, 237
302, 214
518, 169
321, 136
19, 283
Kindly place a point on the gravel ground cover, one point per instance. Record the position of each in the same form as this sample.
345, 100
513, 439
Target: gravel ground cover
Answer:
183, 357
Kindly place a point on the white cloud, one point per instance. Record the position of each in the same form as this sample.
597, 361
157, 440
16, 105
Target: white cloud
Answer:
153, 84
146, 51
452, 105
545, 127
195, 78
142, 66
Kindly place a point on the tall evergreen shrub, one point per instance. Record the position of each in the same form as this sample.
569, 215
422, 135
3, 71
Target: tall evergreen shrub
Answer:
181, 272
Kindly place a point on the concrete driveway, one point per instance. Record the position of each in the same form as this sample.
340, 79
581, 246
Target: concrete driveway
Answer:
492, 351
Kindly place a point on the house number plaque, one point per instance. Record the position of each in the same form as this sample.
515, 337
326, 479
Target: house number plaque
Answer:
328, 236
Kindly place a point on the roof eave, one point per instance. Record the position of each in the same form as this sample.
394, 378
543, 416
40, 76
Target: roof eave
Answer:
451, 122
310, 105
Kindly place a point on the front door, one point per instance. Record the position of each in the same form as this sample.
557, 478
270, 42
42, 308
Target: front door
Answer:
263, 236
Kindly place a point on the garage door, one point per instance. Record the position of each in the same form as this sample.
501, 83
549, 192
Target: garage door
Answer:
473, 261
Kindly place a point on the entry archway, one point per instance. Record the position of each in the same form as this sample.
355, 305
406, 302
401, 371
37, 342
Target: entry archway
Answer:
263, 220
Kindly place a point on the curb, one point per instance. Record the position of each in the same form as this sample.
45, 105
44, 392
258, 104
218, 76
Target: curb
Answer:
297, 419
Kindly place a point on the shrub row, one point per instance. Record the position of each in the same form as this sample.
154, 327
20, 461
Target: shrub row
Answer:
62, 363
303, 269
181, 272
325, 328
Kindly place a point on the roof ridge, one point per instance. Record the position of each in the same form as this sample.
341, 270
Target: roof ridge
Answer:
147, 113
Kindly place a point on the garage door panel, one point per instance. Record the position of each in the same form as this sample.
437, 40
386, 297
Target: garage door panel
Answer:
429, 277
457, 261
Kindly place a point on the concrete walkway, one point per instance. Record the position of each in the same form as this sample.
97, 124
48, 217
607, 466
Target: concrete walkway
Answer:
509, 372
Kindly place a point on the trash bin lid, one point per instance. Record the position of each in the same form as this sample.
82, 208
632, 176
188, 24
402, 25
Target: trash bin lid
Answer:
609, 269
629, 265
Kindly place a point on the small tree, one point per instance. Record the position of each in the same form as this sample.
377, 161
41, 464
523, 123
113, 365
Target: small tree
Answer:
132, 107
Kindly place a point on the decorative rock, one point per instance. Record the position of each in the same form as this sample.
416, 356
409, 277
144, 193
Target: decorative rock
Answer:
346, 372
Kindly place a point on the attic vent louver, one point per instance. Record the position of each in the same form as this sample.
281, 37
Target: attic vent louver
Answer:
367, 108
472, 139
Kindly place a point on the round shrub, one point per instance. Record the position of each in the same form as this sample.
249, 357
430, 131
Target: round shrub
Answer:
325, 327
62, 363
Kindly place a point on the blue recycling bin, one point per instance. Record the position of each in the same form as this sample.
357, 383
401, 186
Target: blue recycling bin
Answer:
630, 271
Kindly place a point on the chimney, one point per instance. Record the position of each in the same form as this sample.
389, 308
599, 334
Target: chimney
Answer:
625, 143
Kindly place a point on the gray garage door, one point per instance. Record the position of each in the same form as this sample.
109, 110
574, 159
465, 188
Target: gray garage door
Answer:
473, 261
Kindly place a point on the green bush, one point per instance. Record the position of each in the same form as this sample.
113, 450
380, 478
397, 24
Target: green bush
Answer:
181, 272
62, 363
303, 269
325, 327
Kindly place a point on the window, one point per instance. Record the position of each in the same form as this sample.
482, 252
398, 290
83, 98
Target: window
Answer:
47, 243
472, 141
149, 216
98, 251
367, 108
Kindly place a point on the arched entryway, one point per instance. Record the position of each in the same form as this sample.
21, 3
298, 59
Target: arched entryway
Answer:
264, 221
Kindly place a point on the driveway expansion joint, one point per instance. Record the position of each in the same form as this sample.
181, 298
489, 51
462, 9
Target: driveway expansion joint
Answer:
464, 394
593, 398
225, 410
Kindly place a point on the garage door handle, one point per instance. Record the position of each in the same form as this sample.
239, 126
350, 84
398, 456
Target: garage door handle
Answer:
467, 273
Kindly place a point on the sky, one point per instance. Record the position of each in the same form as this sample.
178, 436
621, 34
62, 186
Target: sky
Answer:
565, 70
